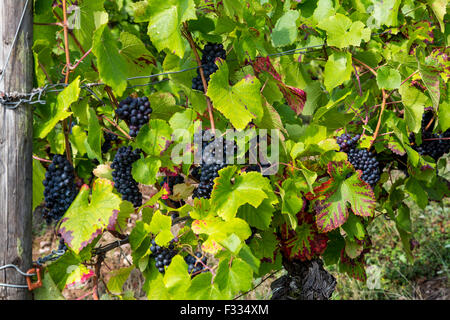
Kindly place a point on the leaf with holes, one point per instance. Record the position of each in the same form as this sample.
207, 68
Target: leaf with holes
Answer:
85, 220
333, 196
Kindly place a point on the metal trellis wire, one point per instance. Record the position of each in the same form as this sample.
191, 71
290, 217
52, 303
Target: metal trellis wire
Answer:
13, 100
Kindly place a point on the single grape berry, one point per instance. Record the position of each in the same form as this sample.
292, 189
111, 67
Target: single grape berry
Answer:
135, 112
123, 179
210, 53
60, 189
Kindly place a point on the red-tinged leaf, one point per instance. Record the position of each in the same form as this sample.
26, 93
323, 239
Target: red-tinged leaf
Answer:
85, 220
295, 97
396, 148
355, 268
331, 198
305, 242
78, 276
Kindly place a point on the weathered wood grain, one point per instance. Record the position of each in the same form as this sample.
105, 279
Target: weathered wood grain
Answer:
15, 149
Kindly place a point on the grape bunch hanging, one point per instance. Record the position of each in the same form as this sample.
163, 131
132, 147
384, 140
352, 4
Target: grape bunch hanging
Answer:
361, 159
60, 189
109, 139
433, 144
135, 112
211, 164
163, 256
210, 53
122, 177
196, 264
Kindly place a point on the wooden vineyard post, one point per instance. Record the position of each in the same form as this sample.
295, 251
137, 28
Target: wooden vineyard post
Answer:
16, 131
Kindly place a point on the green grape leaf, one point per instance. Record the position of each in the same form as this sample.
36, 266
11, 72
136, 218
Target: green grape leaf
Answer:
439, 8
118, 279
261, 216
85, 220
176, 278
265, 246
120, 220
285, 31
332, 197
337, 69
91, 15
235, 277
228, 196
154, 138
93, 143
342, 32
414, 102
144, 170
201, 288
324, 9
247, 255
219, 230
103, 171
160, 226
388, 78
239, 103
415, 189
166, 17
38, 187
49, 290
163, 105
112, 66
385, 13
55, 112
140, 61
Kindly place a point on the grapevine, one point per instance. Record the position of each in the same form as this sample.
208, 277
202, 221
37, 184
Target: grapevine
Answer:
221, 142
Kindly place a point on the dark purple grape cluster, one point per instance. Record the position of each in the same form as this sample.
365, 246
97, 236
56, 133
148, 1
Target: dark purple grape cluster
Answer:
135, 112
437, 146
346, 142
196, 264
163, 256
123, 179
109, 138
60, 189
361, 159
210, 53
211, 164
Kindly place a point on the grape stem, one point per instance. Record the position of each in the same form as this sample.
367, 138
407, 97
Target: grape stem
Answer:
188, 36
383, 103
116, 126
66, 80
40, 159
